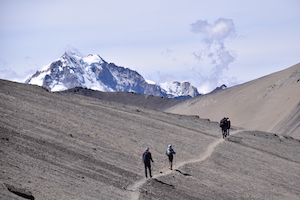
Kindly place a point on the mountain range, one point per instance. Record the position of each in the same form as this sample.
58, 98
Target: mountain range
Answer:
93, 72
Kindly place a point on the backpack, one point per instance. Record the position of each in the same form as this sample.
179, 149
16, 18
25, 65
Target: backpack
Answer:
146, 156
223, 122
168, 152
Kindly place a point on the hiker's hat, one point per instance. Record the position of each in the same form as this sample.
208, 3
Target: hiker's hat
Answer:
147, 148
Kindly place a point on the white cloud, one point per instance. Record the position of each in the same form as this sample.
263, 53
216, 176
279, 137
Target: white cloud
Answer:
220, 30
215, 51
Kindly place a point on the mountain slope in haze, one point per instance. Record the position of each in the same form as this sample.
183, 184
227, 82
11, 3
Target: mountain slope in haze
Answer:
93, 72
66, 146
270, 103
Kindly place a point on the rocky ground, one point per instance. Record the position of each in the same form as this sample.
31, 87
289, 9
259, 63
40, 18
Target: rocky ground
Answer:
66, 146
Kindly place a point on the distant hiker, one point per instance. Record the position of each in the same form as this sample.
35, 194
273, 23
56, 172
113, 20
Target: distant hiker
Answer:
224, 126
147, 157
228, 126
169, 152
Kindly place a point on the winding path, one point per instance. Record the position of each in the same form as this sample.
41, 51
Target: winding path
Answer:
134, 188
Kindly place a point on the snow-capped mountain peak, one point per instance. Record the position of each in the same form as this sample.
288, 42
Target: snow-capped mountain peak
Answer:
93, 72
179, 89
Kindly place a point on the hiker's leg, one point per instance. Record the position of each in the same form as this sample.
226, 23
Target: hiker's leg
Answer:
150, 171
171, 161
146, 170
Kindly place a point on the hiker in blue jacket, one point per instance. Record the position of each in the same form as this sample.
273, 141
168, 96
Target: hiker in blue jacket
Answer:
147, 157
170, 152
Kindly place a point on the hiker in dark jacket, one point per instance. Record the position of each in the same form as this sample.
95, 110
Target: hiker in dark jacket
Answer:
147, 157
170, 152
228, 126
224, 126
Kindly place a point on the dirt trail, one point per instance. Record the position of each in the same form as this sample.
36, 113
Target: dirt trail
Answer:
134, 188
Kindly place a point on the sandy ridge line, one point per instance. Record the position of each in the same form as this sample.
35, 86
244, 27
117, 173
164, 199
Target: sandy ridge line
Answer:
134, 188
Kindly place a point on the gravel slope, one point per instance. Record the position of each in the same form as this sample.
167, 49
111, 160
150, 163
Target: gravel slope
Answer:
270, 104
64, 146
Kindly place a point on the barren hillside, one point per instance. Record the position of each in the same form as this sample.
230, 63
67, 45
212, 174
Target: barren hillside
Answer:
128, 98
65, 146
270, 103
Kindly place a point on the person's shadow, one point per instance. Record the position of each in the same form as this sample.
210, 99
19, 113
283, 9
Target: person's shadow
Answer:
185, 174
161, 182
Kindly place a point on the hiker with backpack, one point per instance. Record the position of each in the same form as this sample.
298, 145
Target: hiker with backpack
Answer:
170, 152
228, 126
147, 157
224, 126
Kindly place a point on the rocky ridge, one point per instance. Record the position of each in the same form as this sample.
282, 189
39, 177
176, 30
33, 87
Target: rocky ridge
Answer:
93, 72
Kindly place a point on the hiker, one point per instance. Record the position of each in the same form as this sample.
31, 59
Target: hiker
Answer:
224, 126
228, 125
146, 159
169, 152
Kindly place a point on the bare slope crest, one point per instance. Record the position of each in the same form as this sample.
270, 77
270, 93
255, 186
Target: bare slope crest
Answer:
270, 103
128, 98
65, 146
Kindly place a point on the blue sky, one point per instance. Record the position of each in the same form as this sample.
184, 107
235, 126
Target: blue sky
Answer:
207, 43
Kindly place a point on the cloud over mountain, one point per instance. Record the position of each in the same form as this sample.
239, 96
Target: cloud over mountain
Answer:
215, 52
220, 30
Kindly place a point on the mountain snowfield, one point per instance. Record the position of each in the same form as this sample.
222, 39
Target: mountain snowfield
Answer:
94, 73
